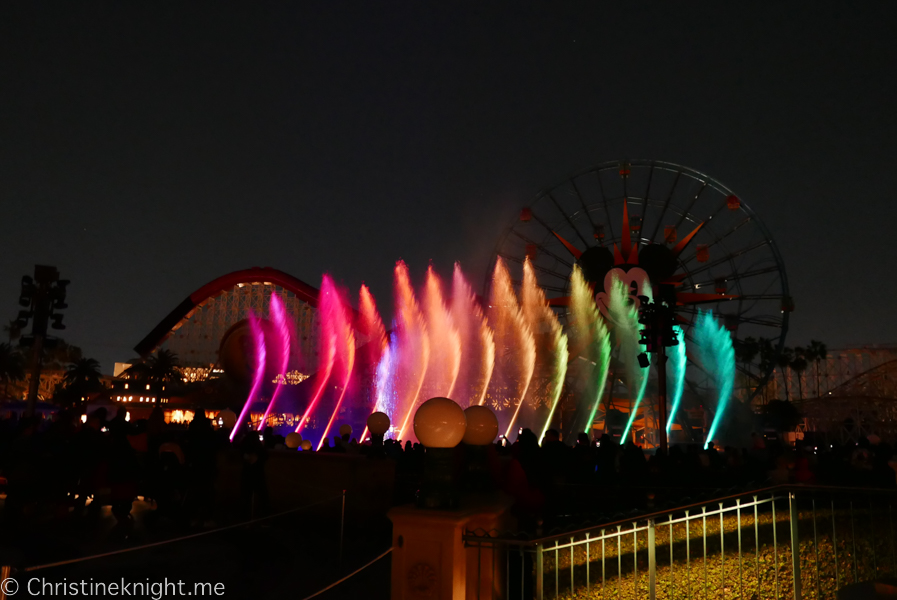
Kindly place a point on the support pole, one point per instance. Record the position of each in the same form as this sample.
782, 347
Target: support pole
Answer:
652, 562
8, 585
795, 544
342, 527
662, 398
540, 573
37, 363
44, 277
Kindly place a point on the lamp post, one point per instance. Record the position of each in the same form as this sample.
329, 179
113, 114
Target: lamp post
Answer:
482, 428
378, 425
293, 440
440, 425
41, 296
227, 419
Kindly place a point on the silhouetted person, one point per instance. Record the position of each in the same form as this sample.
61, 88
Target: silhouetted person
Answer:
202, 448
119, 424
90, 450
123, 474
254, 488
22, 466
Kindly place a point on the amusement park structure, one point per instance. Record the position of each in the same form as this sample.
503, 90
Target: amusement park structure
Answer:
195, 328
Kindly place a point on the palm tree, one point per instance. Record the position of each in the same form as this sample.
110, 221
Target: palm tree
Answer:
746, 351
763, 348
82, 377
799, 365
163, 367
12, 366
766, 353
783, 362
817, 352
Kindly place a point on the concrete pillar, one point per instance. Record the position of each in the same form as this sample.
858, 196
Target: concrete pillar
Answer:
429, 560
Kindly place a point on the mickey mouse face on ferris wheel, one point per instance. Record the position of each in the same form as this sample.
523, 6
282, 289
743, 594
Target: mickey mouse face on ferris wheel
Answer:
645, 273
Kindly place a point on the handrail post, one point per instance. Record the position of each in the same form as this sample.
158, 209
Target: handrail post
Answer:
9, 586
652, 562
342, 528
795, 544
540, 573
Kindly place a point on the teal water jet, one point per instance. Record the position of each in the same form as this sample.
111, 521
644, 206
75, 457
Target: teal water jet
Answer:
716, 354
676, 363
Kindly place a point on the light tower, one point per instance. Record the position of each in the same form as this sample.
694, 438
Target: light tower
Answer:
658, 334
41, 296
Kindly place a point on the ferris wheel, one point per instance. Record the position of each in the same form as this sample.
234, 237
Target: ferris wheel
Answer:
681, 226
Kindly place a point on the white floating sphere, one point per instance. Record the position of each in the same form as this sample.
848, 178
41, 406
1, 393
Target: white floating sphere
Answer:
306, 445
345, 430
378, 423
482, 426
294, 440
439, 423
228, 418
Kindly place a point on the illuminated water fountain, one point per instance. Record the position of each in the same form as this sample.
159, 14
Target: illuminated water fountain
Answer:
511, 354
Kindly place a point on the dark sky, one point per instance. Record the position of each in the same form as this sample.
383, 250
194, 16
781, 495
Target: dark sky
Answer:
147, 148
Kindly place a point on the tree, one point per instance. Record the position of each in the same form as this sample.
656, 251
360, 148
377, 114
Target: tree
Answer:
784, 361
81, 378
163, 367
12, 366
817, 352
766, 353
799, 364
746, 351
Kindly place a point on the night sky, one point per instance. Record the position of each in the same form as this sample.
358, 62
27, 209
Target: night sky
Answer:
147, 148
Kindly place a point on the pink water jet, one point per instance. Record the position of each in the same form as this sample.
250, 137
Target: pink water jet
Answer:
258, 339
328, 341
371, 323
476, 342
280, 348
341, 325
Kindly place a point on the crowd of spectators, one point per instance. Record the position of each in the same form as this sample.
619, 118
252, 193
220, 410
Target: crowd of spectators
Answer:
73, 466
66, 466
602, 476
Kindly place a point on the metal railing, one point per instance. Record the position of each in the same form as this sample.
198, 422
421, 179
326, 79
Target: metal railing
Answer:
10, 575
738, 546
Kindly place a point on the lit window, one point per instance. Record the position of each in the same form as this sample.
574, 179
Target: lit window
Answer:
130, 398
147, 386
126, 386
